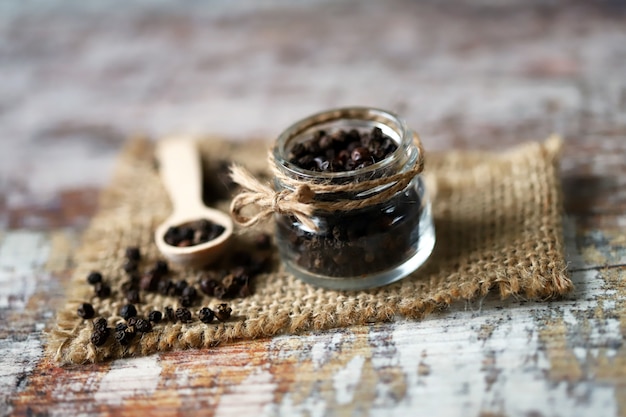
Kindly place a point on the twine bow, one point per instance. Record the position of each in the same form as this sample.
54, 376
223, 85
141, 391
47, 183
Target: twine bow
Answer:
296, 203
299, 197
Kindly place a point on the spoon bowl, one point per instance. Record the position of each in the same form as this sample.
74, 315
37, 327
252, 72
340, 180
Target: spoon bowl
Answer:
181, 173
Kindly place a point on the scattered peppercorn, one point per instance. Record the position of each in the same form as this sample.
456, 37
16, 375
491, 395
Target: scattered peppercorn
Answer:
100, 323
220, 291
183, 314
132, 296
132, 283
240, 276
185, 301
130, 266
155, 316
133, 253
85, 311
124, 337
169, 314
102, 290
99, 338
166, 287
236, 280
188, 296
193, 233
208, 284
127, 311
161, 267
180, 286
223, 312
143, 326
100, 332
229, 282
94, 278
150, 281
206, 315
190, 291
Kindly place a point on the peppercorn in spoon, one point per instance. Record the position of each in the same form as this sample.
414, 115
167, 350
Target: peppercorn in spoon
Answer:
193, 234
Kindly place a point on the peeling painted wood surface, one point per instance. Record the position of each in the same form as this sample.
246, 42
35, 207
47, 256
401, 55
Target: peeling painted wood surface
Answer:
78, 79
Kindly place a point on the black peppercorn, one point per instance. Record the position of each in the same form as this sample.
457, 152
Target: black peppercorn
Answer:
165, 287
132, 296
190, 292
120, 326
188, 296
183, 314
94, 278
100, 323
360, 154
130, 266
169, 314
128, 311
180, 286
85, 311
193, 233
132, 321
220, 291
102, 290
124, 337
161, 267
133, 253
207, 285
99, 338
185, 301
298, 150
223, 312
132, 283
143, 326
100, 331
206, 315
155, 316
240, 276
150, 281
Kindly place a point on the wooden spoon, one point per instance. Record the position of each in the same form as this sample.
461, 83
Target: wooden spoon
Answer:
181, 173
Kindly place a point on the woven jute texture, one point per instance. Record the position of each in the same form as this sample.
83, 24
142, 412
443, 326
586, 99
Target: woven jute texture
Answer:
498, 227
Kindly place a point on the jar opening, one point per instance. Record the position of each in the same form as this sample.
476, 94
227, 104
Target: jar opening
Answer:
359, 118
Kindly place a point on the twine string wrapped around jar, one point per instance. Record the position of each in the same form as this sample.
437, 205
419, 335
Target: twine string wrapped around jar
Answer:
301, 197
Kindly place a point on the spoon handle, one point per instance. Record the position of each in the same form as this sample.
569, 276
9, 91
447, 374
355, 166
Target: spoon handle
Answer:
181, 172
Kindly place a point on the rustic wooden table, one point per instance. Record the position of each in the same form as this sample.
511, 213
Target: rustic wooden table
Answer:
78, 77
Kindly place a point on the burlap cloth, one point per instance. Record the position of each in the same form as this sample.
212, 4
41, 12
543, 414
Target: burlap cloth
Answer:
498, 226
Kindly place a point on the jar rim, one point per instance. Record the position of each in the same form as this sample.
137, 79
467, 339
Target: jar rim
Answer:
390, 119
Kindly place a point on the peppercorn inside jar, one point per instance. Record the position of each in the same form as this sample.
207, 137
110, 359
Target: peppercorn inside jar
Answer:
371, 223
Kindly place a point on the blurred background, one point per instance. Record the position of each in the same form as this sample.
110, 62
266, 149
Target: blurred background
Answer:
78, 78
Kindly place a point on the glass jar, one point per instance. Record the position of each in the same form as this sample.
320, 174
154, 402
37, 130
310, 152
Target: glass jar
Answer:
359, 248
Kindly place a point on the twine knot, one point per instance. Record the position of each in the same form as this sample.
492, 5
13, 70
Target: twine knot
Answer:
276, 203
